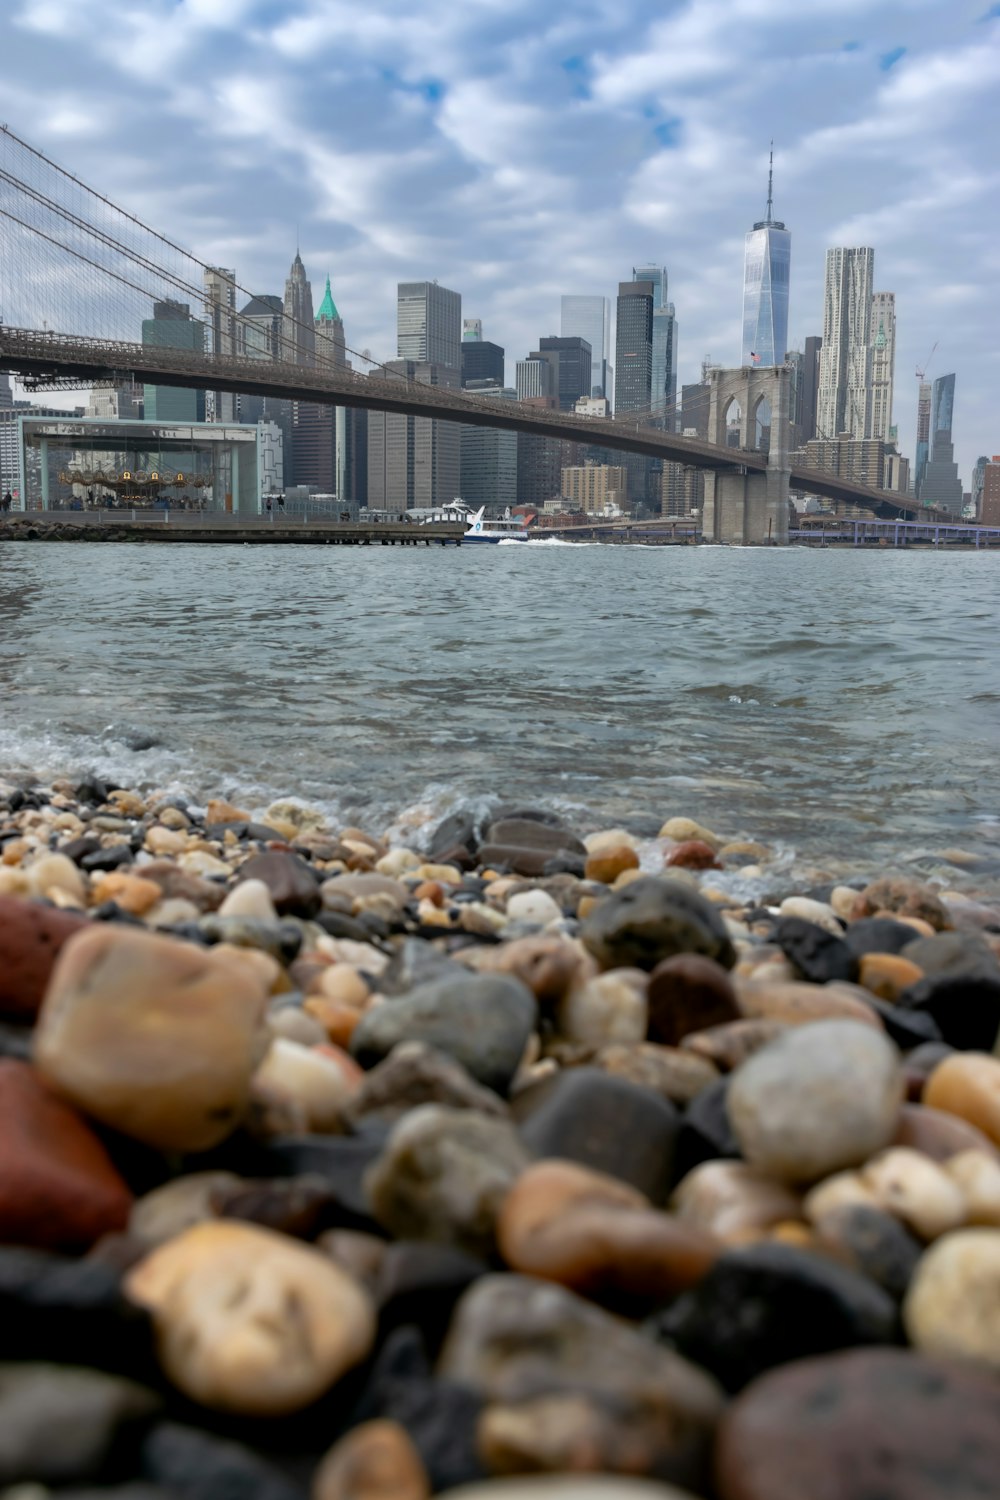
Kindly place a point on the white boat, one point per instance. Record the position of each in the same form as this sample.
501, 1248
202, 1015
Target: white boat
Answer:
509, 529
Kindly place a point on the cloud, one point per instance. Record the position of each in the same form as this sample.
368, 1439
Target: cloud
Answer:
516, 151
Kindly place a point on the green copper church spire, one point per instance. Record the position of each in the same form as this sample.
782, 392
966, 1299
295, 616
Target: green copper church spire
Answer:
328, 308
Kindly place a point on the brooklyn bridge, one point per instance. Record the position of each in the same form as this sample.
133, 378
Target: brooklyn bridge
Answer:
79, 274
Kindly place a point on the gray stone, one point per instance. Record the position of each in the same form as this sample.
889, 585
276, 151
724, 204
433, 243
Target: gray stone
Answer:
482, 1020
443, 1175
652, 919
59, 1424
818, 1099
413, 1074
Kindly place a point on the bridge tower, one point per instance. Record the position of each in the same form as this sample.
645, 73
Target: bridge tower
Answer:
747, 506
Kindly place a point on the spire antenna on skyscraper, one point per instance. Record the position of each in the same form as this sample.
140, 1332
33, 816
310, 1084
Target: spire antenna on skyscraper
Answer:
770, 188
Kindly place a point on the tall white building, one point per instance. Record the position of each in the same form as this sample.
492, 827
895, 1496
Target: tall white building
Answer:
845, 358
429, 324
589, 318
882, 337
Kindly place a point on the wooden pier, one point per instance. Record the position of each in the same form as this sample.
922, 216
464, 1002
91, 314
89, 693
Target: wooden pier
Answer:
182, 526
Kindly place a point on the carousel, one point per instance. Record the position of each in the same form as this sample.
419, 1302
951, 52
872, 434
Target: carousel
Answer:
138, 489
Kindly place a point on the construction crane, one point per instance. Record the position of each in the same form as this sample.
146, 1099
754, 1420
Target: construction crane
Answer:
921, 372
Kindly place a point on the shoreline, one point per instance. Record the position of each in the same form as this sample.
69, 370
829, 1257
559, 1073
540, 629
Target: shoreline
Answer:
492, 1151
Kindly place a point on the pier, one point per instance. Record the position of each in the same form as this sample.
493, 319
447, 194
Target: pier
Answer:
215, 526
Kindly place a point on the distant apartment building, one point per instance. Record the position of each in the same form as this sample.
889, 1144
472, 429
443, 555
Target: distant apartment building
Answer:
413, 462
535, 379
429, 324
595, 488
989, 505
882, 338
858, 459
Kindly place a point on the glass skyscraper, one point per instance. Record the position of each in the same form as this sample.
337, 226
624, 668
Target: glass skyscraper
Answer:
586, 317
663, 386
767, 263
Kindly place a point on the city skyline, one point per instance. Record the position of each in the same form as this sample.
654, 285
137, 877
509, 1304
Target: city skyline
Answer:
409, 148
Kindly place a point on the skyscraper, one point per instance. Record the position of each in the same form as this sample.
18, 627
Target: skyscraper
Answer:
767, 259
298, 335
663, 379
586, 317
172, 327
413, 461
941, 485
482, 360
882, 336
845, 358
472, 330
429, 324
220, 321
923, 452
573, 368
321, 441
634, 373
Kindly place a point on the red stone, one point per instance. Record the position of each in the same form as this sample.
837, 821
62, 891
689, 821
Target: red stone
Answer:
31, 936
869, 1424
694, 855
689, 992
58, 1187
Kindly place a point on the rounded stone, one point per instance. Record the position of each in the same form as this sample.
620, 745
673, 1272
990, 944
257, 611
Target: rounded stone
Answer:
251, 898
376, 1461
154, 1037
868, 1422
607, 863
536, 907
887, 975
248, 1320
873, 1242
689, 992
61, 1425
178, 1205
693, 854
938, 1134
609, 1008
677, 1075
953, 1306
54, 872
818, 1099
967, 1084
977, 1175
800, 1004
31, 938
728, 1046
680, 830
319, 1080
819, 913
902, 898
733, 1202
918, 1191
443, 1175
649, 920
596, 1235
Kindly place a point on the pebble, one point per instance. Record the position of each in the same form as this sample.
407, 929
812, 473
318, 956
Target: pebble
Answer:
514, 1339
443, 1175
178, 1205
952, 1308
977, 1176
733, 1202
62, 1425
689, 992
320, 1080
726, 1047
292, 885
873, 1242
413, 1074
679, 1076
652, 919
902, 898
58, 1187
968, 1085
817, 954
802, 1004
31, 938
536, 907
818, 913
680, 830
574, 1487
607, 863
918, 1191
868, 1422
165, 841
818, 1099
251, 898
375, 1461
153, 1037
597, 1236
888, 975
482, 1020
249, 1321
609, 1008
938, 1134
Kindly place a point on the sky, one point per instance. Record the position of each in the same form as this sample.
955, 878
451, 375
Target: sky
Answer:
516, 151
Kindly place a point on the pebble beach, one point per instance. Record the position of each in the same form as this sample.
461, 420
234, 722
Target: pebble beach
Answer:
487, 1159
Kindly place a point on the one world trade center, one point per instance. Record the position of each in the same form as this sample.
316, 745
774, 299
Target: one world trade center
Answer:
766, 265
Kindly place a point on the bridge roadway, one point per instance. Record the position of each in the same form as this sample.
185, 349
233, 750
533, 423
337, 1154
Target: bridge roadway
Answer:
47, 355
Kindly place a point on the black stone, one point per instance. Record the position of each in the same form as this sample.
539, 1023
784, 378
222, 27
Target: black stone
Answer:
818, 955
652, 919
195, 1465
705, 1131
459, 830
419, 1283
93, 791
769, 1304
960, 989
338, 924
72, 1312
604, 1122
109, 858
110, 911
300, 1206
907, 1028
533, 833
878, 935
291, 881
15, 1041
340, 1161
565, 864
282, 940
75, 849
875, 1243
440, 1415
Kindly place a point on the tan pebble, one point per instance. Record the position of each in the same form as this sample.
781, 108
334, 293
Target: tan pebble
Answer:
251, 898
801, 1003
842, 899
679, 1076
299, 1026
586, 906
482, 920
172, 817
820, 913
202, 862
165, 841
747, 849
56, 872
13, 882
681, 830
375, 1461
347, 951
887, 975
625, 878
219, 810
609, 1008
606, 865
131, 892
977, 1175
968, 1085
430, 890
608, 838
793, 1232
924, 929
251, 1321
64, 900
433, 916
597, 1235
732, 1201
916, 1190
445, 874
128, 804
178, 1205
537, 907
398, 862
171, 913
952, 1308
842, 1190
265, 968
320, 1084
14, 850
343, 984
154, 1037
938, 1134
359, 1254
729, 1045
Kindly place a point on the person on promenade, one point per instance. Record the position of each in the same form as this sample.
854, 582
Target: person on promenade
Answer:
8, 501
281, 504
270, 516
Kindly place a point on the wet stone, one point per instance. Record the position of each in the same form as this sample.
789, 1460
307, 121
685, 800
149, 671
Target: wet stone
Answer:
878, 935
413, 1074
705, 1130
282, 940
689, 992
873, 1242
200, 1466
769, 1304
869, 1422
61, 1424
652, 919
818, 955
291, 882
602, 1122
960, 989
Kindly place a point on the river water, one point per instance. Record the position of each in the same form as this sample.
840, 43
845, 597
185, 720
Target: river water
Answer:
842, 706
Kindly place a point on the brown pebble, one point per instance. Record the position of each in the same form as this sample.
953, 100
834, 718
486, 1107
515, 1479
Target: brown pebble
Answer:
730, 1045
693, 854
607, 864
376, 1461
689, 992
31, 938
968, 1085
896, 897
887, 975
938, 1134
